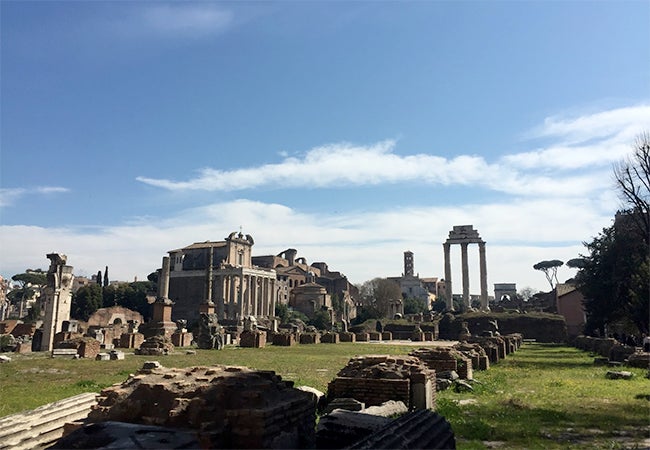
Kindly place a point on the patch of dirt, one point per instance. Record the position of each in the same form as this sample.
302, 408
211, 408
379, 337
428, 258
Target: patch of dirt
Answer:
50, 370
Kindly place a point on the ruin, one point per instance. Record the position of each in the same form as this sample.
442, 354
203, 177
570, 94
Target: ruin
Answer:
375, 379
225, 406
465, 235
58, 298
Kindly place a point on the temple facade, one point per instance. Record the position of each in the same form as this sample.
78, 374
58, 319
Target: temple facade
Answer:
220, 273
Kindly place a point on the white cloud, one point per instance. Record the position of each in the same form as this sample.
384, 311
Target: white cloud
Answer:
199, 19
10, 196
362, 246
173, 20
583, 150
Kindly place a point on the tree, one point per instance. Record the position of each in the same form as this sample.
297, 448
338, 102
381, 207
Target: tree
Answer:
550, 270
415, 306
377, 294
99, 278
106, 277
129, 295
321, 320
632, 177
86, 301
526, 293
30, 282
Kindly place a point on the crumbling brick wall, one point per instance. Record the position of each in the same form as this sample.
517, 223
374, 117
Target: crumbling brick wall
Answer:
230, 407
375, 379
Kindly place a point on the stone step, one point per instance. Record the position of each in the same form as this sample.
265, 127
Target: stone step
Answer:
43, 425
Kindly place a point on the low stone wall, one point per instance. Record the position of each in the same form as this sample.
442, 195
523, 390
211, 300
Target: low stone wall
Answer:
309, 338
348, 337
371, 392
330, 338
86, 347
538, 326
445, 359
284, 339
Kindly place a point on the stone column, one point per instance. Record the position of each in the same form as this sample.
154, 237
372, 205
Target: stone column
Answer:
240, 296
220, 297
163, 291
448, 292
463, 260
208, 281
249, 282
274, 296
483, 269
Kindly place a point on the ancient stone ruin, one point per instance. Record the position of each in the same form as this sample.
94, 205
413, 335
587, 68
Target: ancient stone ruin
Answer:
375, 379
227, 407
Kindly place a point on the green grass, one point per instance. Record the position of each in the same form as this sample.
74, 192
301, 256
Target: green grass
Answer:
543, 396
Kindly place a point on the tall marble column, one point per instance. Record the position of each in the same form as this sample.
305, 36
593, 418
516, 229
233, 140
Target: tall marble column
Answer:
463, 260
220, 297
483, 269
163, 291
448, 292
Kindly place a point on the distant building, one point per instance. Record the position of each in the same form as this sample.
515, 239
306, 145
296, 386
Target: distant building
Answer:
570, 304
293, 272
223, 273
505, 292
412, 286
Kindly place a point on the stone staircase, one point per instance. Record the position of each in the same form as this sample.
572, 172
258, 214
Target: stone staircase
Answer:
40, 427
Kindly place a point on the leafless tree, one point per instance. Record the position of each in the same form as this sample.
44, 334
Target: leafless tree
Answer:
632, 177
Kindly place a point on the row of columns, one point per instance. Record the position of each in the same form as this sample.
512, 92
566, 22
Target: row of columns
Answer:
243, 295
465, 274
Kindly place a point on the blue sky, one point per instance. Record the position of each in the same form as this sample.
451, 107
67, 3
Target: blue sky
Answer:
352, 131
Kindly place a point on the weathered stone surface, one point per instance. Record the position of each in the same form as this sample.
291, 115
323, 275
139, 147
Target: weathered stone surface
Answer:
619, 375
156, 346
375, 379
342, 428
4, 359
210, 334
127, 435
252, 339
43, 425
309, 338
443, 359
284, 339
421, 429
346, 403
86, 347
318, 397
386, 409
330, 338
620, 352
230, 407
639, 359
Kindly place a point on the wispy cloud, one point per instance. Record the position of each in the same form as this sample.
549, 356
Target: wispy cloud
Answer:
174, 20
9, 196
584, 141
590, 142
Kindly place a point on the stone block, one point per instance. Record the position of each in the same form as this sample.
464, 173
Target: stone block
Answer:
347, 337
374, 336
309, 338
362, 337
330, 338
180, 339
102, 356
116, 355
386, 336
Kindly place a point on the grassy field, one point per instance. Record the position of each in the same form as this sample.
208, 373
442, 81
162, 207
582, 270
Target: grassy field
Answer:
543, 396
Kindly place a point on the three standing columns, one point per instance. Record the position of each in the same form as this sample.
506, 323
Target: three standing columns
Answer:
465, 235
